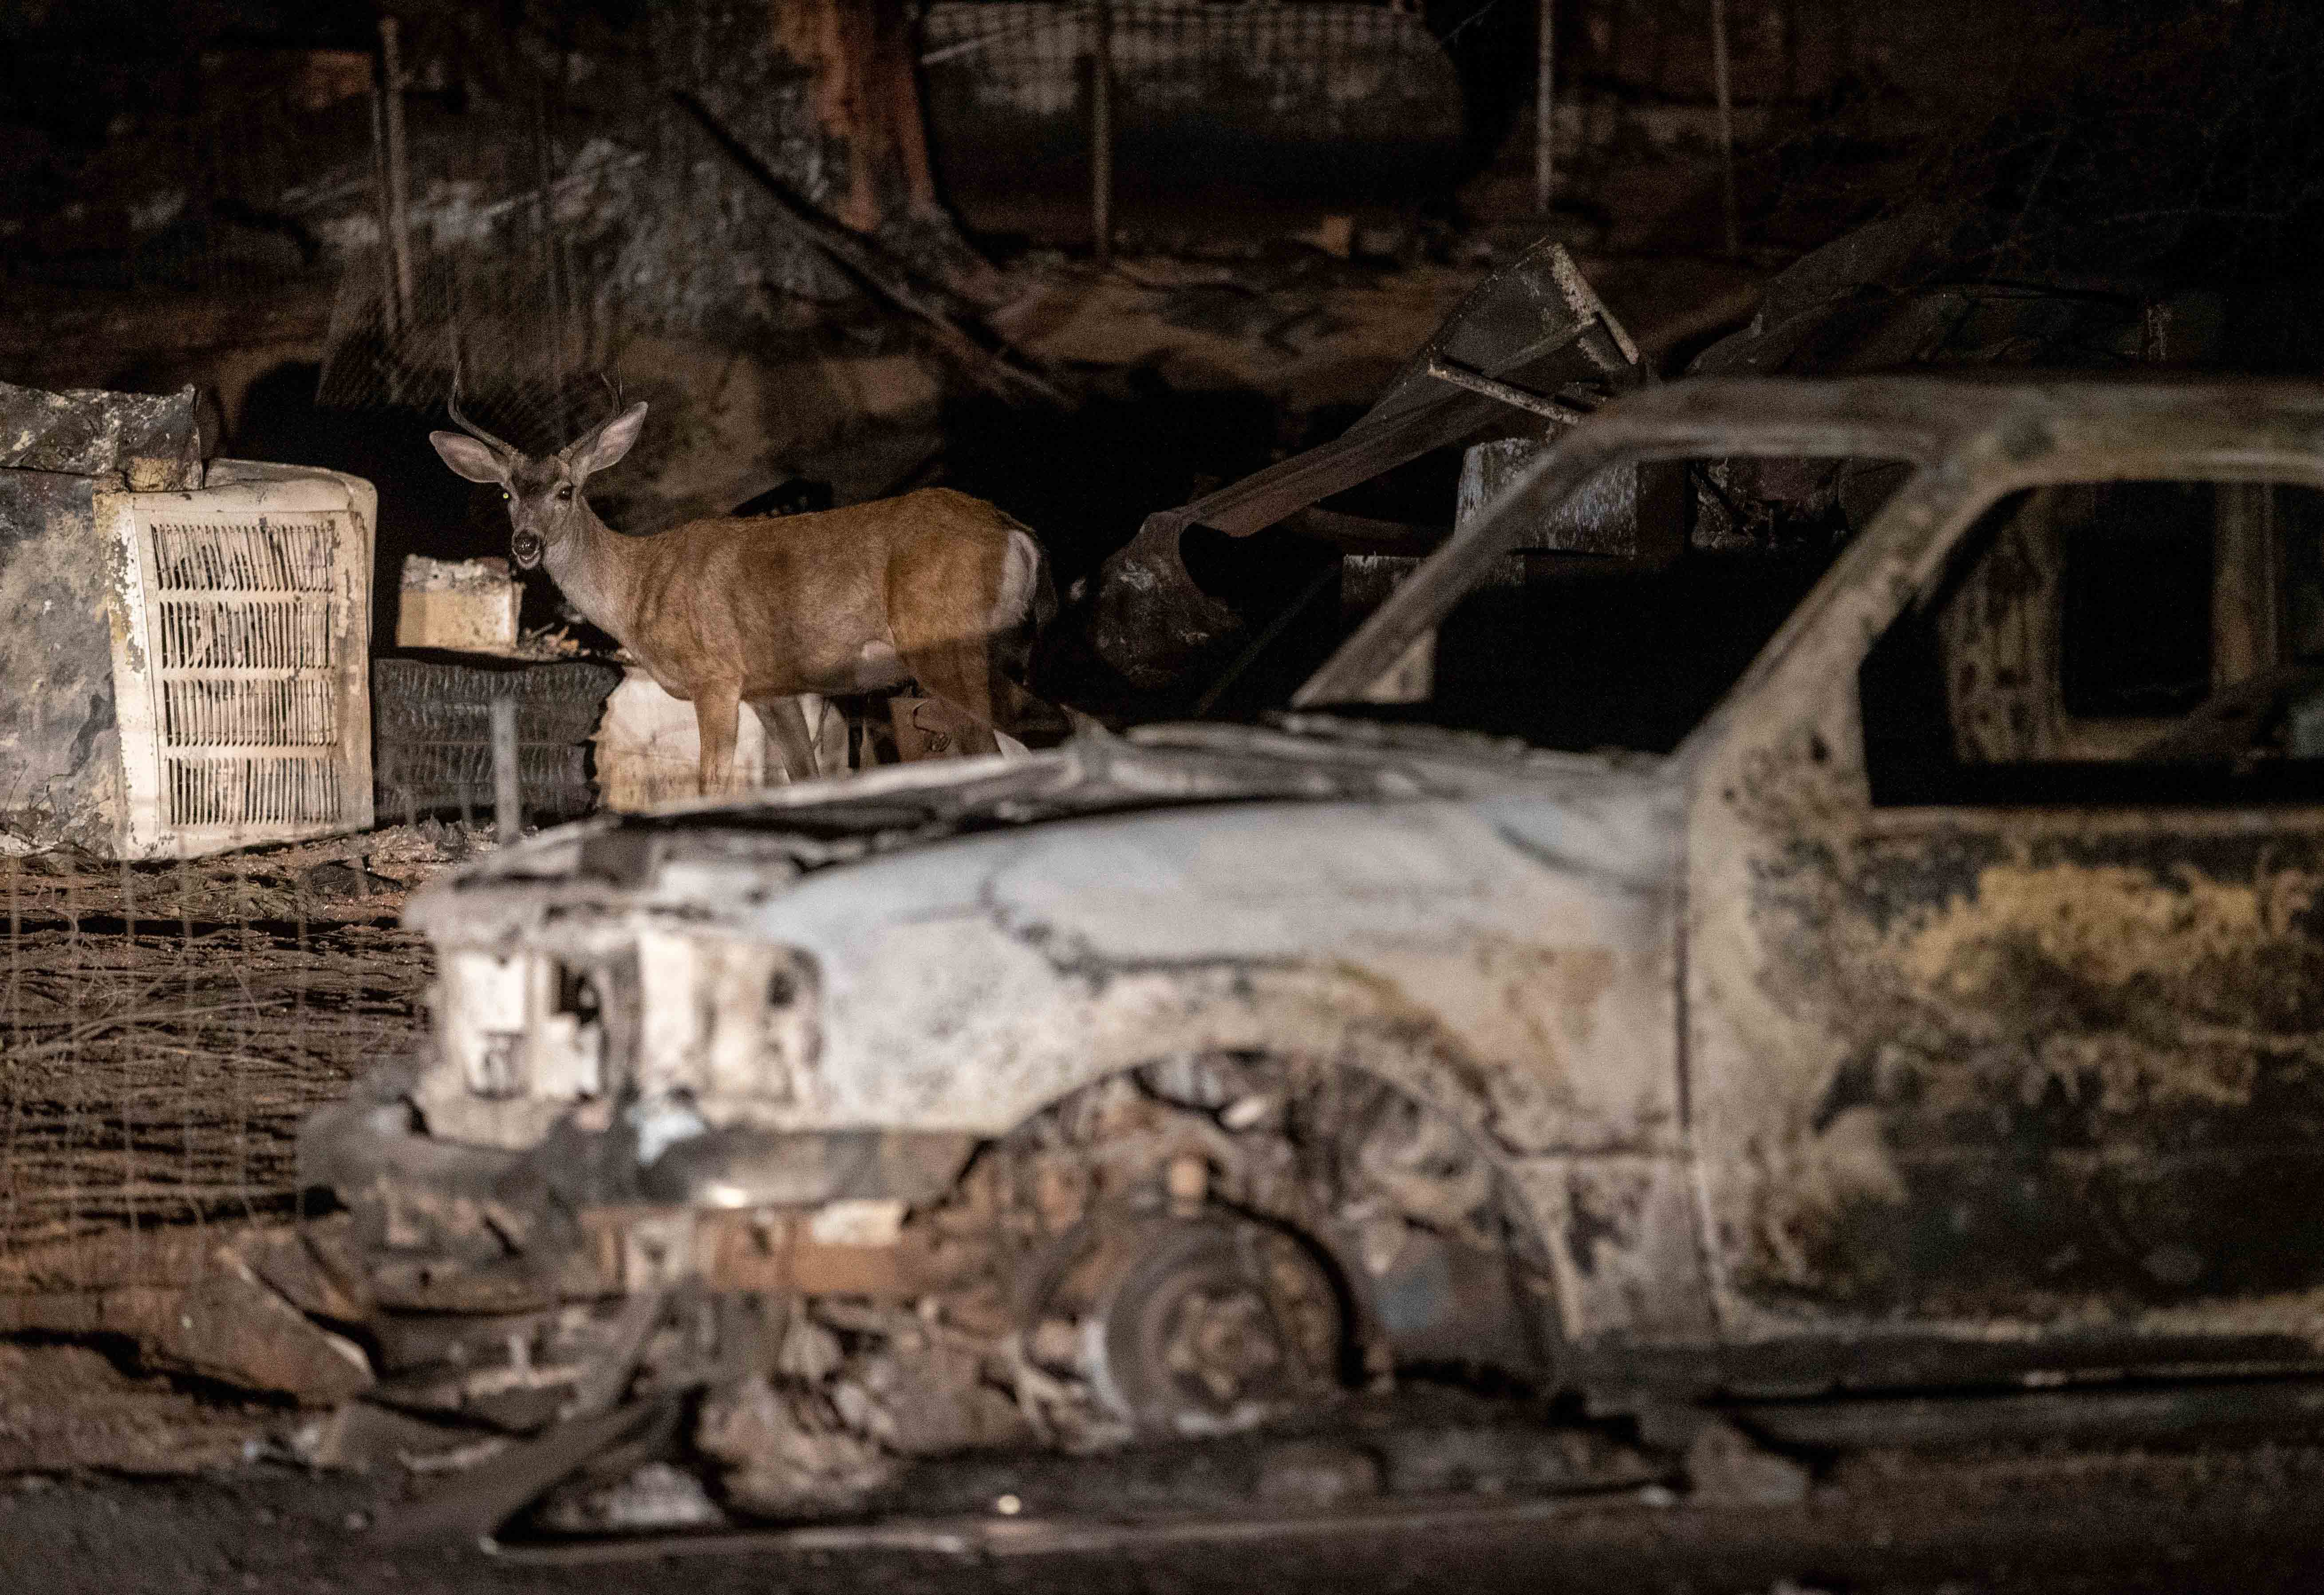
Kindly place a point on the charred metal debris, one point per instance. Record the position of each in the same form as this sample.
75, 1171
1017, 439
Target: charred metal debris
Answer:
1529, 352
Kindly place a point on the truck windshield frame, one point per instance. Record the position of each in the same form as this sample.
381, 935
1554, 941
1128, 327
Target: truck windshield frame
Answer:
1970, 440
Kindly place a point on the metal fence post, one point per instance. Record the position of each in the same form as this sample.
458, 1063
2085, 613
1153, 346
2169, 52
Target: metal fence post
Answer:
1719, 68
398, 169
508, 795
1544, 118
1101, 127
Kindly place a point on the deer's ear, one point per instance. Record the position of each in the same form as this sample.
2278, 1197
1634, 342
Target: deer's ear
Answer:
608, 442
469, 458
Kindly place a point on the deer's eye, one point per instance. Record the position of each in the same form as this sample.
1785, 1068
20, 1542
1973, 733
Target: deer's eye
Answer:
565, 492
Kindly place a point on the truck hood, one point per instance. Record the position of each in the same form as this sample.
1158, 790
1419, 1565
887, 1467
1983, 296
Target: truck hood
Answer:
702, 859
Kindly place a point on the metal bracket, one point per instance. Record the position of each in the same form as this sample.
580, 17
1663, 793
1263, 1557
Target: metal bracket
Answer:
1446, 370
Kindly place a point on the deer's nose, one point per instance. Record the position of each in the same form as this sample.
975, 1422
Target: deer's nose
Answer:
526, 548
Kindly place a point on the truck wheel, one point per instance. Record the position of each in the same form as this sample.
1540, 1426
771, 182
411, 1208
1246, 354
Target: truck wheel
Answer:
1193, 1324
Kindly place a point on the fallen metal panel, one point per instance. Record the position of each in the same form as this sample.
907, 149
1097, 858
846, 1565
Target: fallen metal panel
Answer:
1151, 621
1533, 328
1534, 324
1378, 443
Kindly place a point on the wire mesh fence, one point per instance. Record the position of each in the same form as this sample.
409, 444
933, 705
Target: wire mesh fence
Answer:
1324, 102
472, 259
164, 1027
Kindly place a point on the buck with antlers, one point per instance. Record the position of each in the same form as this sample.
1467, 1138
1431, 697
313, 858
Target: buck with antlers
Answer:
932, 587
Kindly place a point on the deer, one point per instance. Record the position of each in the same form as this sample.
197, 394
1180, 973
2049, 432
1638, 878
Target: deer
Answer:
932, 586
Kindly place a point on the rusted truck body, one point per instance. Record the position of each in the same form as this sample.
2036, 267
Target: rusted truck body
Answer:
1943, 1008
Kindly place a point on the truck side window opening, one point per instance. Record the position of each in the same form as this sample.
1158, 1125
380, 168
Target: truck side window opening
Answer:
2300, 520
2135, 590
2153, 640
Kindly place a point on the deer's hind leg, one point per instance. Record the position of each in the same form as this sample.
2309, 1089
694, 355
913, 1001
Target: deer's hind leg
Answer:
785, 720
940, 611
959, 673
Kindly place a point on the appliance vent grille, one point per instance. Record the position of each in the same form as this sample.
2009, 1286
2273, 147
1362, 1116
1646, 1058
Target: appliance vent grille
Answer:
266, 554
255, 795
290, 712
246, 622
215, 632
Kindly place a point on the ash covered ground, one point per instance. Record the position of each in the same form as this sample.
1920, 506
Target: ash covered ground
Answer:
2242, 1520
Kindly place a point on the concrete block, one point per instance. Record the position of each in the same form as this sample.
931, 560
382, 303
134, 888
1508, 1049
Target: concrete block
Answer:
648, 751
468, 605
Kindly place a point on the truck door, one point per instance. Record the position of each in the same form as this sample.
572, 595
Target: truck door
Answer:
2036, 996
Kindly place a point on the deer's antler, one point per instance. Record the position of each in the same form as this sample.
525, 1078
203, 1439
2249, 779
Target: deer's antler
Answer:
614, 389
452, 407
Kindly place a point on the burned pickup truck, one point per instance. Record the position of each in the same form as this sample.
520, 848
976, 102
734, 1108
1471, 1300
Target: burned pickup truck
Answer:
1931, 994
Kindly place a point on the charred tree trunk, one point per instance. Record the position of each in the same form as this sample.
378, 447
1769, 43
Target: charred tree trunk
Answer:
867, 97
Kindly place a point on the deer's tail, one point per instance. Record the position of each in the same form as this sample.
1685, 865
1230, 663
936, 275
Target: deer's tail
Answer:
1025, 594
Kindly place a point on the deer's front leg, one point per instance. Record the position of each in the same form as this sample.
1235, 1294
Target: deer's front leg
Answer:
717, 710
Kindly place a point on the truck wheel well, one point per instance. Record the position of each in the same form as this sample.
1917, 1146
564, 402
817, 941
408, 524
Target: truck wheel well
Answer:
1387, 1175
